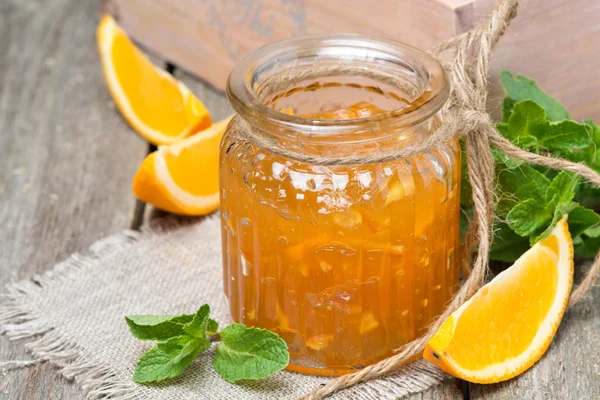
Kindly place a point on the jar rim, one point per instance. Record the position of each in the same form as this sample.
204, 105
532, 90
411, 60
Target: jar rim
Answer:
241, 84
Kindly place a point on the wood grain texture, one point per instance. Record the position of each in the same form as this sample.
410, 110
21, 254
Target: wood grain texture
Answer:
556, 42
570, 369
448, 390
66, 158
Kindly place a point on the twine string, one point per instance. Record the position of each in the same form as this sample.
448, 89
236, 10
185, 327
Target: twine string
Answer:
464, 114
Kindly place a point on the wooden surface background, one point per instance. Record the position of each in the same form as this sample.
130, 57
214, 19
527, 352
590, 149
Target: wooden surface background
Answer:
556, 42
67, 159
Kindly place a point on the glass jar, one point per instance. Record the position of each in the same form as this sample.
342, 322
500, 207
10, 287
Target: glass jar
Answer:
345, 262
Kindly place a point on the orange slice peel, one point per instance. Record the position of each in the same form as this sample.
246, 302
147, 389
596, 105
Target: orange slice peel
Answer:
159, 107
509, 323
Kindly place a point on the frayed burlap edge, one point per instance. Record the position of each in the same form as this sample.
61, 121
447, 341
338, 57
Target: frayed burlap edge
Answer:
19, 320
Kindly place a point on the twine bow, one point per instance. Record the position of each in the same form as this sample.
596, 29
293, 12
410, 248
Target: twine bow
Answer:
465, 114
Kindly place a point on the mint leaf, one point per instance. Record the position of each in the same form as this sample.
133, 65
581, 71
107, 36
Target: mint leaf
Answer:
519, 88
588, 248
197, 326
589, 155
169, 359
507, 245
524, 182
154, 327
507, 106
518, 184
249, 353
562, 188
565, 137
501, 158
212, 328
560, 211
593, 232
529, 128
528, 217
581, 219
526, 116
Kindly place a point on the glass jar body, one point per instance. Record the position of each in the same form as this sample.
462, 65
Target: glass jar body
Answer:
345, 263
330, 238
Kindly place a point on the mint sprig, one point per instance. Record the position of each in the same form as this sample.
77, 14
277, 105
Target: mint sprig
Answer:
531, 198
244, 353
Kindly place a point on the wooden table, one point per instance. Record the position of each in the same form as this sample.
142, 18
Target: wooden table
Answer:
67, 160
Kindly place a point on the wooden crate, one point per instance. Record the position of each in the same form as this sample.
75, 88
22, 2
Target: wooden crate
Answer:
556, 42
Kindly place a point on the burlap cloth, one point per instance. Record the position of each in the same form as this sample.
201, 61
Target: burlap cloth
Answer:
74, 315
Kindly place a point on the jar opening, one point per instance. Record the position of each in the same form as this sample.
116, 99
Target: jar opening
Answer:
283, 87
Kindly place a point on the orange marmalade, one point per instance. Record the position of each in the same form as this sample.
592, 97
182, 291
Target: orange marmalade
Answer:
345, 262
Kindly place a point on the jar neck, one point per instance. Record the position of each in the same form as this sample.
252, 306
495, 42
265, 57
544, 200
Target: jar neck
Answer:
410, 85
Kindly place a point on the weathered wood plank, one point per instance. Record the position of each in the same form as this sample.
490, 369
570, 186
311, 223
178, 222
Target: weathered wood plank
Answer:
570, 369
448, 390
66, 157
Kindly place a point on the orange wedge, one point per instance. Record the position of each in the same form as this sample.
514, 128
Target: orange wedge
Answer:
157, 106
509, 323
183, 178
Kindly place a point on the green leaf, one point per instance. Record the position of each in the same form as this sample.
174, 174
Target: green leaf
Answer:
523, 183
249, 353
593, 232
169, 359
212, 328
528, 217
519, 88
581, 219
588, 195
565, 137
507, 245
154, 327
588, 247
501, 158
507, 106
526, 116
518, 184
560, 211
529, 128
562, 188
589, 155
197, 326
